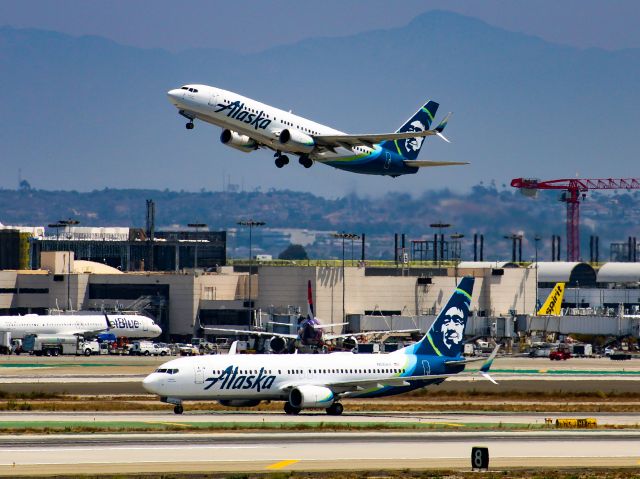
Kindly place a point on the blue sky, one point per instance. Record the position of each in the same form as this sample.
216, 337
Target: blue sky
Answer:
249, 26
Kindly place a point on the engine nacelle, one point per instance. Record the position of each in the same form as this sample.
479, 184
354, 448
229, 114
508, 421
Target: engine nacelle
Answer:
278, 344
311, 396
350, 343
297, 141
239, 402
238, 141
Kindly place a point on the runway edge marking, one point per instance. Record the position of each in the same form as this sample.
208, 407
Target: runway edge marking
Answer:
282, 464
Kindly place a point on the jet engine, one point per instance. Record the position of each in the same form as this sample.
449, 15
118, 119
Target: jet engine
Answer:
238, 141
350, 343
311, 396
277, 344
239, 402
297, 141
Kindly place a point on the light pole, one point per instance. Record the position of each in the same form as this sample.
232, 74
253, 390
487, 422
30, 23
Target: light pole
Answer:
344, 236
68, 223
515, 238
251, 224
536, 239
440, 226
197, 226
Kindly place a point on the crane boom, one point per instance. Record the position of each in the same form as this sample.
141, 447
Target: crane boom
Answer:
574, 187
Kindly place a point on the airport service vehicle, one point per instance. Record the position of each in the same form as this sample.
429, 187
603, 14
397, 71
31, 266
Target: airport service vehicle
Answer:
559, 355
147, 348
116, 325
54, 345
304, 381
248, 125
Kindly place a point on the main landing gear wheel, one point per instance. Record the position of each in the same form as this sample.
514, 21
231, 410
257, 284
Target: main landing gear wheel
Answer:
306, 161
178, 409
282, 160
291, 410
335, 409
189, 125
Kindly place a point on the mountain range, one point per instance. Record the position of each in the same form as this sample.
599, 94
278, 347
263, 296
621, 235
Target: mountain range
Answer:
85, 113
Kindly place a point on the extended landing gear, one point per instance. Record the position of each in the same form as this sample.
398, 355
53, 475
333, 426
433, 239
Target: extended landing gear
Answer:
178, 409
306, 161
281, 159
291, 410
335, 409
189, 125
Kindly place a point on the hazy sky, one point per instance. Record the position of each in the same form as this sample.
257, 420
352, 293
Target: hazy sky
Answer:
247, 26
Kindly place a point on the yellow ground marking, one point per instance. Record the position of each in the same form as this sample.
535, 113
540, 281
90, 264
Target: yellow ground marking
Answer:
282, 464
542, 371
168, 423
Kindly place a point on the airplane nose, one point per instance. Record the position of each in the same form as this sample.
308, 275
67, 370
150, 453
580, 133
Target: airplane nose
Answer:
150, 383
174, 94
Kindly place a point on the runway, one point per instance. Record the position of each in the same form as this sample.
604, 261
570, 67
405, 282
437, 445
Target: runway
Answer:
461, 419
310, 452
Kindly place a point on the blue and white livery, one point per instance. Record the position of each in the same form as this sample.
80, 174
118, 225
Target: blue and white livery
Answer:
321, 380
248, 125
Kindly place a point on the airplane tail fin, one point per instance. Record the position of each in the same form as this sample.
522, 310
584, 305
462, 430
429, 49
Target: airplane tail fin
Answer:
310, 312
445, 337
552, 305
420, 121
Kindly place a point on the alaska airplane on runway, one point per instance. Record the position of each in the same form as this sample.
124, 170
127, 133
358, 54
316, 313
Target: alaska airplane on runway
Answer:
321, 380
248, 125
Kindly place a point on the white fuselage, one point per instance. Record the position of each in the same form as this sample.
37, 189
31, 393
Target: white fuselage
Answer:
120, 325
255, 119
266, 377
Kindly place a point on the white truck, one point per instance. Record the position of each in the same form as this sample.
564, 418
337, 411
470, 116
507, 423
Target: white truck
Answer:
56, 344
147, 348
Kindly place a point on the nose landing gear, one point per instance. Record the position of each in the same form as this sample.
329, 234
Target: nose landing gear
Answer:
189, 125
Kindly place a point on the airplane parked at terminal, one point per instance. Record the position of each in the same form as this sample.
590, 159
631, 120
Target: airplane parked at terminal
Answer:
310, 332
248, 125
552, 306
321, 380
116, 325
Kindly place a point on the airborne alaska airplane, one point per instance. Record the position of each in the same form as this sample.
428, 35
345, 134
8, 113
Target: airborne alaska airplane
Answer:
248, 125
320, 380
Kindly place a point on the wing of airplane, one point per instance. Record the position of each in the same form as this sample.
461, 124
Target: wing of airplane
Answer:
370, 139
362, 384
329, 337
250, 333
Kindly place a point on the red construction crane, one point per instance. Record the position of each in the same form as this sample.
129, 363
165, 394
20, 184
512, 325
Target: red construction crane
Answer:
574, 187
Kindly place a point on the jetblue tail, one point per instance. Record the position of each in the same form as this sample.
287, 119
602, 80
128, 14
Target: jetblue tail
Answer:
420, 121
445, 337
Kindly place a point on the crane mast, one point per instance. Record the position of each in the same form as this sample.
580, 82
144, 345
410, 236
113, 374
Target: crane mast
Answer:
574, 189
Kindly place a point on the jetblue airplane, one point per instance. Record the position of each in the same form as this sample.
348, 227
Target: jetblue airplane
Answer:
103, 325
320, 380
248, 125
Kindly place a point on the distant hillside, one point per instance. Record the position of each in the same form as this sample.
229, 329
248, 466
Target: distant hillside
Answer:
84, 112
490, 210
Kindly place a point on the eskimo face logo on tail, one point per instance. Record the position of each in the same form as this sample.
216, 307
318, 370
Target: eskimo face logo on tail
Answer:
230, 379
414, 144
237, 111
452, 327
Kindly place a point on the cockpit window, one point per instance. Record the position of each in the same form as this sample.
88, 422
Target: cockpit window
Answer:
184, 88
193, 90
161, 370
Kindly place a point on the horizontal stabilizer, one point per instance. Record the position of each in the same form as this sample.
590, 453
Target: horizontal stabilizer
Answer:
425, 163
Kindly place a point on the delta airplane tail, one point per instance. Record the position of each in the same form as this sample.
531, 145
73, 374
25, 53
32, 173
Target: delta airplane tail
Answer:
420, 121
445, 337
552, 306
